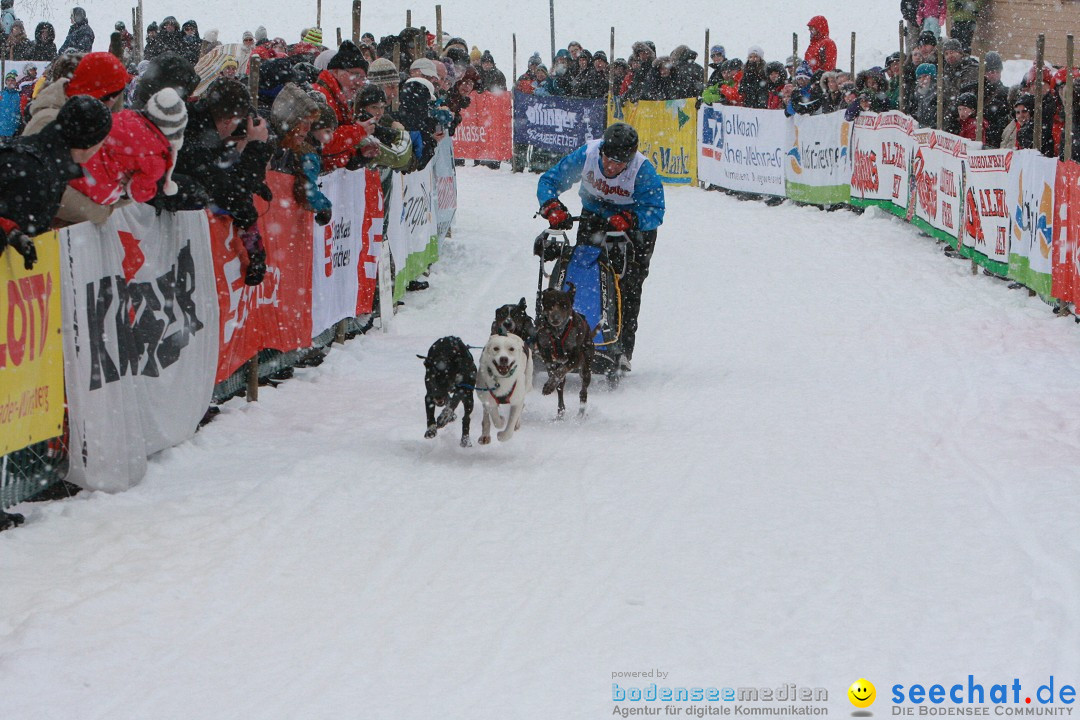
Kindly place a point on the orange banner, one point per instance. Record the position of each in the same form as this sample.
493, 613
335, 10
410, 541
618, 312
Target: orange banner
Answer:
486, 131
277, 313
1066, 273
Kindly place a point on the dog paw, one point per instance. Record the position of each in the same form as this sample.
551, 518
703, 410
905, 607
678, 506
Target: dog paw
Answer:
465, 441
581, 412
549, 387
560, 414
484, 439
431, 431
445, 418
505, 435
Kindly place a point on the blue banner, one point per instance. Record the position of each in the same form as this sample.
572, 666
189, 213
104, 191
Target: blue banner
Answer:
557, 124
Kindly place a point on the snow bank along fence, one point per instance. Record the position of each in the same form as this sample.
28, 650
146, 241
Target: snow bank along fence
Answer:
134, 327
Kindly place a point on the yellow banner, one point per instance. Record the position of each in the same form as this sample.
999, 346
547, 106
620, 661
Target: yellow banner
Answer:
31, 349
667, 132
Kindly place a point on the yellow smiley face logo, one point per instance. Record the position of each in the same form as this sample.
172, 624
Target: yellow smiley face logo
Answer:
862, 693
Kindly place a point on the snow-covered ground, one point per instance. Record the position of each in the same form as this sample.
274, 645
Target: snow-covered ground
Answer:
839, 455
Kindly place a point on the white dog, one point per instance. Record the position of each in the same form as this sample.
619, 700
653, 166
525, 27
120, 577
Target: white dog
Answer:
504, 377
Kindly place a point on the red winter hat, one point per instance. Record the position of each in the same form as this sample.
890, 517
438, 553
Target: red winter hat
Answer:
97, 75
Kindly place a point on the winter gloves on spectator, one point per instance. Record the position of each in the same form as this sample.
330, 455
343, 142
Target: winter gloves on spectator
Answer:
21, 243
324, 216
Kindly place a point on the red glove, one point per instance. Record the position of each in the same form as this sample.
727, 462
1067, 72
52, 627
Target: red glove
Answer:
557, 215
622, 222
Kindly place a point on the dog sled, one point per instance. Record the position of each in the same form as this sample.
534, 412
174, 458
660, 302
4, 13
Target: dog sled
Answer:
594, 265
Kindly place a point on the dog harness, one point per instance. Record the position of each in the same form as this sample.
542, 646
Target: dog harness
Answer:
559, 352
505, 399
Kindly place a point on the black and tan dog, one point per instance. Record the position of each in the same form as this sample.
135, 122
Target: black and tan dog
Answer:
565, 342
515, 319
449, 376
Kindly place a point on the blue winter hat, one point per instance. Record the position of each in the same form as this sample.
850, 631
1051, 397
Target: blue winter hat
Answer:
564, 53
717, 49
926, 69
804, 70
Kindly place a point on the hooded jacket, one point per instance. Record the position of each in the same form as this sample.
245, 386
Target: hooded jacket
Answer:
821, 52
43, 49
134, 158
346, 140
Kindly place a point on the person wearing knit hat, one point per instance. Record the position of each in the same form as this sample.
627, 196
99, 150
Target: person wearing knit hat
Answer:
100, 75
952, 45
260, 35
534, 60
167, 111
345, 74
323, 59
383, 72
349, 58
139, 153
313, 36
229, 67
474, 56
755, 50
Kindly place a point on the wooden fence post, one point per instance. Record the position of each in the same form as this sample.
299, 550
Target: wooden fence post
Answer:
1070, 88
903, 61
940, 88
853, 56
1040, 48
980, 104
356, 21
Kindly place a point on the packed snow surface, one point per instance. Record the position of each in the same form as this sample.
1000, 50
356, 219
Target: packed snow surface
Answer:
839, 455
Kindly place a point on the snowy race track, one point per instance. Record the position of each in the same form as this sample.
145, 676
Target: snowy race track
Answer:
839, 455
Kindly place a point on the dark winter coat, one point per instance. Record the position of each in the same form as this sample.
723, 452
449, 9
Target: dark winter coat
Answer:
717, 75
80, 37
959, 78
229, 178
926, 107
43, 49
1025, 134
492, 79
754, 86
996, 111
909, 10
166, 41
689, 77
805, 101
414, 113
644, 77
45, 157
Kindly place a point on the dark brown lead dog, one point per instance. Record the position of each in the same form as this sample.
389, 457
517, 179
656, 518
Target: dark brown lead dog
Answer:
565, 342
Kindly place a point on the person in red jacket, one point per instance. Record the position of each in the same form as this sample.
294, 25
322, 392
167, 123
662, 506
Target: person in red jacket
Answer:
821, 53
343, 77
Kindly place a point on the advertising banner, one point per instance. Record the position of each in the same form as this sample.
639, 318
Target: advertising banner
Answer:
742, 149
343, 252
277, 312
882, 146
1031, 246
557, 124
412, 230
667, 132
818, 170
985, 231
31, 350
446, 186
140, 320
485, 132
938, 176
1066, 275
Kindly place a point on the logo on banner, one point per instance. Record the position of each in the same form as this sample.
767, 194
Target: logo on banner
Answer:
864, 177
336, 251
558, 118
152, 322
1033, 218
817, 156
926, 186
712, 129
416, 210
27, 319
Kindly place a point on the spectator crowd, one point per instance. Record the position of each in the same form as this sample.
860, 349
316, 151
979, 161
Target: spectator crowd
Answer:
194, 122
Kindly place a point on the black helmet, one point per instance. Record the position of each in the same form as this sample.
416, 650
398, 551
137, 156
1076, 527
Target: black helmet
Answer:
620, 143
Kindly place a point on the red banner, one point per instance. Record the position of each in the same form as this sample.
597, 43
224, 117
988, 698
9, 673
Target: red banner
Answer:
1066, 273
371, 242
277, 313
486, 131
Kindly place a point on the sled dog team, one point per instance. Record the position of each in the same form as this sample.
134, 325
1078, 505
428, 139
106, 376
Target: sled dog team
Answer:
562, 339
